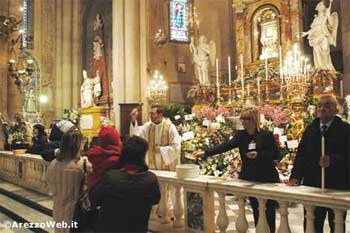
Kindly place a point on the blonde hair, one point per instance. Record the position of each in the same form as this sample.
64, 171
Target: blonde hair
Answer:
254, 115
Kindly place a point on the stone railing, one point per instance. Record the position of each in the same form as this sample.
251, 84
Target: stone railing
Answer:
194, 198
201, 190
24, 170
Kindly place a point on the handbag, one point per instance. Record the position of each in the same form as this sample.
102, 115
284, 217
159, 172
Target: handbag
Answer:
84, 214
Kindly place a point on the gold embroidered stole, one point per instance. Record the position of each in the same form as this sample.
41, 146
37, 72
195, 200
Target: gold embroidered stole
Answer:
151, 145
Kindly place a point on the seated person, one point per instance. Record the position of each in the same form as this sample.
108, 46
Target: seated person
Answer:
126, 196
39, 139
105, 154
51, 148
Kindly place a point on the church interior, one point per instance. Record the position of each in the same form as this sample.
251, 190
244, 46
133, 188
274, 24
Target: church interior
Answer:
92, 62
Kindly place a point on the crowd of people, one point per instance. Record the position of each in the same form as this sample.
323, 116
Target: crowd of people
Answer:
124, 193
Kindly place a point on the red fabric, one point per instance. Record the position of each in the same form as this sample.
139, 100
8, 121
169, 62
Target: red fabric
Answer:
104, 156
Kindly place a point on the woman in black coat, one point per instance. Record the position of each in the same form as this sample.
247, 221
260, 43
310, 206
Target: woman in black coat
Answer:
258, 151
39, 139
126, 195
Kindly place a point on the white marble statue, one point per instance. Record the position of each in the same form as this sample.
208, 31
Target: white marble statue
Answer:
90, 90
97, 48
323, 34
202, 53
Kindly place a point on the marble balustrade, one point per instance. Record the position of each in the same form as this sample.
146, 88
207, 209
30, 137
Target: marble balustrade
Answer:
30, 171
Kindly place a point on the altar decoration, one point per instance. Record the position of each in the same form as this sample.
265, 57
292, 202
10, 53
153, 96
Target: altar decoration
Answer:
17, 133
71, 115
91, 120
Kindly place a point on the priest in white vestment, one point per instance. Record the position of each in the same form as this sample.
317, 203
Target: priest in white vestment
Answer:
163, 139
164, 143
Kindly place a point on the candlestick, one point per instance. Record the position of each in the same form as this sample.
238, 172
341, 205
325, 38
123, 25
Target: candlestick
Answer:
217, 79
242, 77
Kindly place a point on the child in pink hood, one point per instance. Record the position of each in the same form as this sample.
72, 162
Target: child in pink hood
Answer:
105, 155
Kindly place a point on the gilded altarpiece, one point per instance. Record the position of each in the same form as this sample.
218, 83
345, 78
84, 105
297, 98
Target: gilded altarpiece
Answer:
271, 19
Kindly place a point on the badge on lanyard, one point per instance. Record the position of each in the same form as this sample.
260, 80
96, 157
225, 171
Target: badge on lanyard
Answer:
252, 146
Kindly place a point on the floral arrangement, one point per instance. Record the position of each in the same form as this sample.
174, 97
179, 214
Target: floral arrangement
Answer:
15, 132
71, 115
211, 113
202, 94
278, 115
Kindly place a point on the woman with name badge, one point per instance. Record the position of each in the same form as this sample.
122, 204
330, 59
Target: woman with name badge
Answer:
258, 151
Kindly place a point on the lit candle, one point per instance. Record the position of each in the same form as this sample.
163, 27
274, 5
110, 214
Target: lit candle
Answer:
248, 91
229, 70
266, 71
242, 76
281, 72
341, 89
217, 78
259, 89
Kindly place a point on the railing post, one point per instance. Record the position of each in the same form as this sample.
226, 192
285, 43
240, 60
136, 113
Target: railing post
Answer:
284, 225
338, 220
241, 223
262, 226
178, 207
163, 204
310, 227
222, 220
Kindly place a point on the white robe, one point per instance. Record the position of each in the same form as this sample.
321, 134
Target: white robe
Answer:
169, 153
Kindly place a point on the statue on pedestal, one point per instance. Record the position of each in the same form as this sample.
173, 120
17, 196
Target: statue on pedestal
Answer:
322, 34
90, 90
202, 53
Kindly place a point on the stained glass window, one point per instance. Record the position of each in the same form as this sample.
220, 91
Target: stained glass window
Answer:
178, 15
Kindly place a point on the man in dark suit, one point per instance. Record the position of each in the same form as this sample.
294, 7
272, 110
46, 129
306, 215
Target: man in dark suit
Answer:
308, 161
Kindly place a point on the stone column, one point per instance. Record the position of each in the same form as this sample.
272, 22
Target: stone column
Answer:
57, 102
118, 56
345, 8
239, 20
67, 54
76, 54
132, 48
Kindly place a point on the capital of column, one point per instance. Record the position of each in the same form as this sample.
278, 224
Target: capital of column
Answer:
239, 6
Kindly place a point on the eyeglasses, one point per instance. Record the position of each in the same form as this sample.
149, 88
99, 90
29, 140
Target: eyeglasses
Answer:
245, 118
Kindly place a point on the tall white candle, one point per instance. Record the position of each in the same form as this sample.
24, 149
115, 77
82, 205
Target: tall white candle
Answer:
229, 70
217, 78
248, 90
323, 169
281, 63
217, 71
259, 93
341, 89
266, 71
242, 75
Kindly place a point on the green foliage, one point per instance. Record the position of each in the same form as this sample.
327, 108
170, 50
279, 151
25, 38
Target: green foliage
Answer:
171, 110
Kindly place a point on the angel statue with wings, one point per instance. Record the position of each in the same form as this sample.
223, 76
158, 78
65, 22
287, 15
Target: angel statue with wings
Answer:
322, 34
202, 53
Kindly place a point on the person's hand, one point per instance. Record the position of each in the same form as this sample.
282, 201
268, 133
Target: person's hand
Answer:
157, 148
324, 161
251, 154
198, 154
303, 34
292, 182
134, 114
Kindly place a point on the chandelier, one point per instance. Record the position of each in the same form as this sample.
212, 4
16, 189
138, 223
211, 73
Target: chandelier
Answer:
296, 74
157, 88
